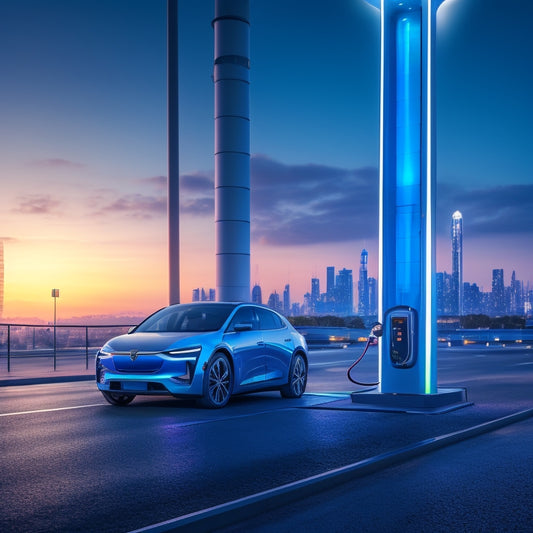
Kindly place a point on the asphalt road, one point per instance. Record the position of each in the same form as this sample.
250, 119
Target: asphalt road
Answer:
485, 485
71, 462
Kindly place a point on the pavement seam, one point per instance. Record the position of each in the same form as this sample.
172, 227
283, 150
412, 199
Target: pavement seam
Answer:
235, 511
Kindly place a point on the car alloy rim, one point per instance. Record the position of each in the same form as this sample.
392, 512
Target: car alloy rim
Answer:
219, 381
298, 376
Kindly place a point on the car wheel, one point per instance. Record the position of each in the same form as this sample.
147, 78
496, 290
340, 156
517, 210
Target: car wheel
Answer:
118, 398
297, 378
218, 382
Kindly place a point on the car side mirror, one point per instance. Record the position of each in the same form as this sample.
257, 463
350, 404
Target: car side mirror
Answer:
243, 327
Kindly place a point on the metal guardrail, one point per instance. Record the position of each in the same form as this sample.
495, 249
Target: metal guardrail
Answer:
29, 340
30, 343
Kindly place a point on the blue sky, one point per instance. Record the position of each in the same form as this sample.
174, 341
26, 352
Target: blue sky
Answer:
83, 145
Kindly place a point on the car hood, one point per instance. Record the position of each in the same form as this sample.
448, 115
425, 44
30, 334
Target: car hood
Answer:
156, 342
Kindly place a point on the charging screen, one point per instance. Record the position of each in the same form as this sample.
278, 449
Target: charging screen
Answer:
400, 349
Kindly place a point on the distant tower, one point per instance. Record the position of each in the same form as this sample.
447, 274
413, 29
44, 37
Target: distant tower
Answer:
344, 285
257, 297
1, 279
231, 76
330, 280
372, 296
273, 301
457, 264
498, 292
287, 300
315, 294
364, 302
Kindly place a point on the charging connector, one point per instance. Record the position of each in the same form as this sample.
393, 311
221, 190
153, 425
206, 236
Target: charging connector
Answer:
375, 333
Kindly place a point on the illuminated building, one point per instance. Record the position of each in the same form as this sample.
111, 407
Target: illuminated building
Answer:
457, 265
363, 307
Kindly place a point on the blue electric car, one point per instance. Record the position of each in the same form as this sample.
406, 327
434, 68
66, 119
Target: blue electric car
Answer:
205, 350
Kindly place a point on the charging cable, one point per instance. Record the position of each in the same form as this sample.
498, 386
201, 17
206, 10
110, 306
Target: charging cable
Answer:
377, 331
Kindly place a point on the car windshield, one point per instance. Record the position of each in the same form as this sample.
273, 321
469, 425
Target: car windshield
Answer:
187, 317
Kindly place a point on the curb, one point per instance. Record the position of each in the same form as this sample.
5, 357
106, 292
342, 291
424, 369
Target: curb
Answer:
44, 380
229, 513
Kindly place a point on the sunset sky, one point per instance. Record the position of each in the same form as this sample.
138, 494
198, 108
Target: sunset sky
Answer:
83, 158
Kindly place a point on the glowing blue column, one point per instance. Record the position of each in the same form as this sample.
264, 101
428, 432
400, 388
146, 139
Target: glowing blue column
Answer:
407, 191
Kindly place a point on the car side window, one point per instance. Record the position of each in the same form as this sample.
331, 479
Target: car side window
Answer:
269, 320
245, 315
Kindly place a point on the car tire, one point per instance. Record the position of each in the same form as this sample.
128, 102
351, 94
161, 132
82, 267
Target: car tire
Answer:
218, 382
297, 378
117, 398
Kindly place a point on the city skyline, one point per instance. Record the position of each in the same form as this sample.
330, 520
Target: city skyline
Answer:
500, 299
83, 146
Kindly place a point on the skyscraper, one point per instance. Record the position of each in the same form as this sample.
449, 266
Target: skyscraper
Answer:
362, 286
257, 297
287, 300
373, 296
273, 301
516, 299
315, 294
344, 286
498, 292
457, 264
330, 280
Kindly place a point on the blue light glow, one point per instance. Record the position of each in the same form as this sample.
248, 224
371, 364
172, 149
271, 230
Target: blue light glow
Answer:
407, 183
408, 118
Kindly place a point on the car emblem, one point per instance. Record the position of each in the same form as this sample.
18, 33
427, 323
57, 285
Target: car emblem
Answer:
134, 354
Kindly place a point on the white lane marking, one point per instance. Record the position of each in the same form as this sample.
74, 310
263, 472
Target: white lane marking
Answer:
333, 363
187, 423
51, 410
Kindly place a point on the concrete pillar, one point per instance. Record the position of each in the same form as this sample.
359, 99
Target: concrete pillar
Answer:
232, 149
173, 207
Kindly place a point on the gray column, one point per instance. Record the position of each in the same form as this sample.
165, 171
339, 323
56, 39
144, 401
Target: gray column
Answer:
173, 153
232, 149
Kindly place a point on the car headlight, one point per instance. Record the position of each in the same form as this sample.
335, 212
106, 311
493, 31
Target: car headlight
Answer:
190, 357
105, 350
186, 354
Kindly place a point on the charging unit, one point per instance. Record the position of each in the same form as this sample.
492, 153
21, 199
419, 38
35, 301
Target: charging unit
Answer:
401, 329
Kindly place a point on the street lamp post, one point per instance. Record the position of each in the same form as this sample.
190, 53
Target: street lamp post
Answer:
55, 296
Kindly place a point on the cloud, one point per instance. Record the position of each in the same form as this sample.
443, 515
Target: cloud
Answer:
56, 162
135, 205
157, 182
198, 207
197, 194
507, 209
297, 204
35, 204
312, 204
198, 183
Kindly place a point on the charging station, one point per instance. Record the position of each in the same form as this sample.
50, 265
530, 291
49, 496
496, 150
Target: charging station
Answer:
407, 290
